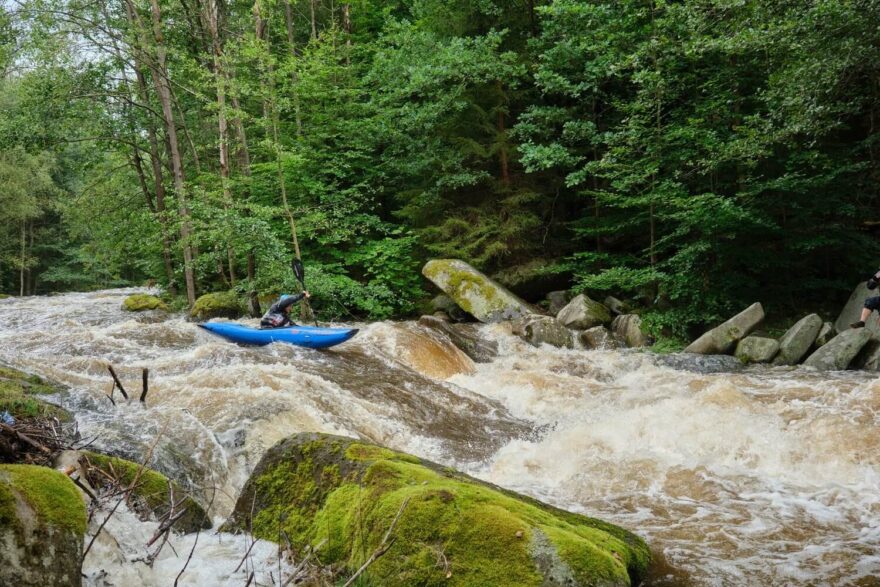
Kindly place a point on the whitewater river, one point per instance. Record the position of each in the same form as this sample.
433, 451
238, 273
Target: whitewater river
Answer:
762, 476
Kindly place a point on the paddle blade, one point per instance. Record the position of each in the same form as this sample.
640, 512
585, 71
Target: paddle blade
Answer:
298, 270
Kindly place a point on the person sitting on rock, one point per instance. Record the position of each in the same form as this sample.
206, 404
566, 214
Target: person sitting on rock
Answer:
279, 313
871, 304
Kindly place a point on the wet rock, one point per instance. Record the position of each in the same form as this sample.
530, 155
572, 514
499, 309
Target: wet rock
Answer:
838, 353
616, 306
869, 357
444, 303
797, 341
442, 316
756, 349
598, 337
826, 333
466, 337
224, 304
42, 526
582, 313
557, 300
852, 310
309, 486
628, 328
151, 497
539, 330
722, 339
474, 292
142, 303
699, 363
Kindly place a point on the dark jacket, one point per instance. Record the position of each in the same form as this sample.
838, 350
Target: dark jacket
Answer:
276, 317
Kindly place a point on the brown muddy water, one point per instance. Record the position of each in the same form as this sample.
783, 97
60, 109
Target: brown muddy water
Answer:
762, 476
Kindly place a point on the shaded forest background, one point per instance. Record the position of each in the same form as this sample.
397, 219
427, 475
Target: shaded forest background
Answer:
695, 155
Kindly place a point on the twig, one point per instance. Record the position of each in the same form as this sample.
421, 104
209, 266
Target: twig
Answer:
302, 564
116, 380
101, 527
85, 489
383, 546
25, 438
195, 541
145, 375
244, 558
110, 395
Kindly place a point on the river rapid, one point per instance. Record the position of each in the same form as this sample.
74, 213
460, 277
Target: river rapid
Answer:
760, 476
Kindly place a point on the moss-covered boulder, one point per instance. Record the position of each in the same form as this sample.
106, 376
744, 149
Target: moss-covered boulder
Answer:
42, 525
454, 530
474, 292
224, 304
582, 313
756, 349
722, 339
151, 496
142, 303
20, 396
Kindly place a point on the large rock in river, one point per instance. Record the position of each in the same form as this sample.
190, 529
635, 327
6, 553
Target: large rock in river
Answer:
474, 292
452, 529
582, 313
853, 309
826, 333
539, 330
143, 302
628, 328
837, 353
42, 525
796, 342
722, 339
223, 304
756, 349
466, 337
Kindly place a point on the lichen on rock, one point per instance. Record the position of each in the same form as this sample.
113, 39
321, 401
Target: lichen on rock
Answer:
454, 530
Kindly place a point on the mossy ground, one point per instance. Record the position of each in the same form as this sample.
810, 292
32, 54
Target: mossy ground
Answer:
454, 530
143, 302
152, 489
50, 493
224, 304
17, 391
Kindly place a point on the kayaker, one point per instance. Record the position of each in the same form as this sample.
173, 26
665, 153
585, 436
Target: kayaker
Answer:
871, 304
279, 314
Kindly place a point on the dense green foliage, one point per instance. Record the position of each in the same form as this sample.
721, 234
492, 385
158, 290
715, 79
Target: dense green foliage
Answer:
694, 156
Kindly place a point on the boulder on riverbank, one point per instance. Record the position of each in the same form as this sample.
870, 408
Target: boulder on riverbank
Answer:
839, 352
538, 330
628, 328
722, 339
582, 313
598, 337
223, 304
756, 349
826, 333
556, 300
474, 292
143, 303
152, 495
853, 309
42, 525
20, 396
796, 342
450, 529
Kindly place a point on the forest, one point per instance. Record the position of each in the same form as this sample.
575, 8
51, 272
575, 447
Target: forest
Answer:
696, 156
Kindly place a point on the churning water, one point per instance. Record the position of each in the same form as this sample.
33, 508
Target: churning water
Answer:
762, 476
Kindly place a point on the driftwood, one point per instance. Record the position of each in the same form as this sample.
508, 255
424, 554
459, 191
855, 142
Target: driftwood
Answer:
116, 380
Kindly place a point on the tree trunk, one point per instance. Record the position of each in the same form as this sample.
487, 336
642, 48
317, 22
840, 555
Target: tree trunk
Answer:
244, 158
288, 16
21, 281
160, 77
502, 148
314, 23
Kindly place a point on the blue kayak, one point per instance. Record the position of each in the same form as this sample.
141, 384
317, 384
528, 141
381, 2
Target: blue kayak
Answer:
307, 336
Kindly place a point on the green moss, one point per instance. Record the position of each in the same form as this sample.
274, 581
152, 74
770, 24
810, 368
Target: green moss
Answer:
142, 302
452, 525
16, 396
4, 296
51, 494
8, 517
225, 304
152, 489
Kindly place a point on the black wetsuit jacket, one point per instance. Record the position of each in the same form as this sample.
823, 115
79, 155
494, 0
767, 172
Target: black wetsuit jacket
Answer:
276, 316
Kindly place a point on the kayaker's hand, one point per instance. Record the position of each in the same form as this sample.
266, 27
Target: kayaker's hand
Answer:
307, 294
